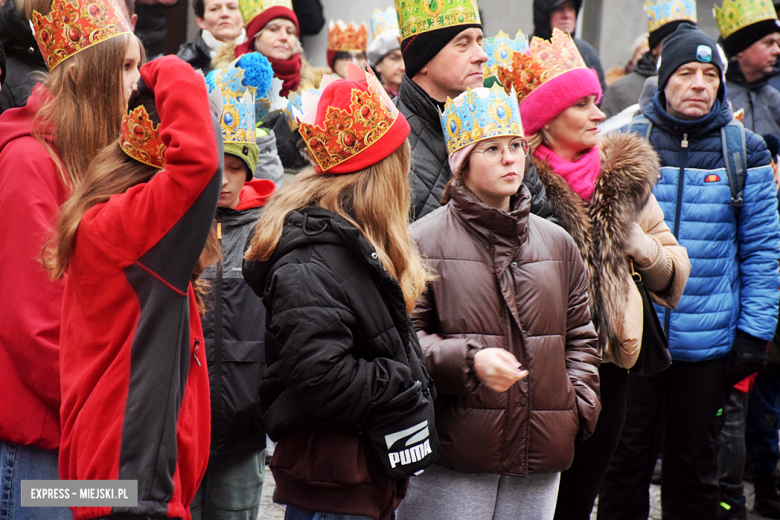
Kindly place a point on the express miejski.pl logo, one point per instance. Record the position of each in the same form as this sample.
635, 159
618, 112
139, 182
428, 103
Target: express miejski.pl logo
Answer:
417, 440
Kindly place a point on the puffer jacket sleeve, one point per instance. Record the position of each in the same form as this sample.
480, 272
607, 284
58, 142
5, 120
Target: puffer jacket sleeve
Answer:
540, 206
676, 266
310, 328
758, 237
450, 361
582, 359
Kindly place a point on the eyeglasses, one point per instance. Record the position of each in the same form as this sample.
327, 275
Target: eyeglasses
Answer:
494, 151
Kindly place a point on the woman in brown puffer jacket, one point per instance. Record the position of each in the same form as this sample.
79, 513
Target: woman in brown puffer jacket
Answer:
511, 294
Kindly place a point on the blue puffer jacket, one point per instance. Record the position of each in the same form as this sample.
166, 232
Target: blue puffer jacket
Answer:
734, 280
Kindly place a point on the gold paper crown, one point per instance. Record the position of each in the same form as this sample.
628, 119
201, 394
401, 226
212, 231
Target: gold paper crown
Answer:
140, 138
345, 133
480, 114
662, 12
72, 27
419, 16
738, 14
347, 37
251, 8
543, 62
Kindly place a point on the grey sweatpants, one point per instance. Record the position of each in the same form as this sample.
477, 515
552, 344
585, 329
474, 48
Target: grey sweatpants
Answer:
444, 494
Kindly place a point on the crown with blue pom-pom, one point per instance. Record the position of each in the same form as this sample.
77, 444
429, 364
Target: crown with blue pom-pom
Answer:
241, 84
499, 49
479, 114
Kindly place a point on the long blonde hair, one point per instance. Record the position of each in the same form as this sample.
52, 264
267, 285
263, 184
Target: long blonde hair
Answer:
86, 103
375, 200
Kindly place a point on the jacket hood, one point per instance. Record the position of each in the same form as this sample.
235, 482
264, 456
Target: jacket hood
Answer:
719, 115
308, 226
17, 122
16, 35
255, 194
543, 11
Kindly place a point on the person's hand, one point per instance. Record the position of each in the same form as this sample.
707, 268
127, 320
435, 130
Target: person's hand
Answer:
639, 246
497, 369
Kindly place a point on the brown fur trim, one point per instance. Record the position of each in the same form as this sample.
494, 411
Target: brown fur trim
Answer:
629, 170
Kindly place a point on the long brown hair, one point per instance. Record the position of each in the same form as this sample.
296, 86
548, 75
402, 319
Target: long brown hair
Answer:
112, 172
375, 200
86, 103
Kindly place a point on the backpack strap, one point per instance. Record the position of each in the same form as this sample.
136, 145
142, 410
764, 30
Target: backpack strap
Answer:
641, 125
735, 158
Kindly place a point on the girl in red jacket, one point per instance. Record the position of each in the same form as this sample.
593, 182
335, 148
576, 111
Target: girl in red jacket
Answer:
135, 395
45, 148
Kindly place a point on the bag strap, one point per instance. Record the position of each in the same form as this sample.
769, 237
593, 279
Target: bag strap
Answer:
641, 125
734, 144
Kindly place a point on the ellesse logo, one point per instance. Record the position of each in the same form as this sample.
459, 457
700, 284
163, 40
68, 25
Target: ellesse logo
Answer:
711, 178
417, 438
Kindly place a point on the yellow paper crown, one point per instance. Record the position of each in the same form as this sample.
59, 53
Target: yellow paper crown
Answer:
71, 27
251, 8
544, 61
419, 16
347, 37
738, 14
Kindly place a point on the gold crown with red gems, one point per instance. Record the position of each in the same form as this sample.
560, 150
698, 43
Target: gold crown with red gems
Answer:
347, 37
543, 61
140, 138
345, 133
71, 27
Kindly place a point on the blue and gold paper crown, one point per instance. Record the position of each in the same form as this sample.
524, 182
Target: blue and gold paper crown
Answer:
295, 102
662, 12
241, 83
383, 21
479, 114
499, 49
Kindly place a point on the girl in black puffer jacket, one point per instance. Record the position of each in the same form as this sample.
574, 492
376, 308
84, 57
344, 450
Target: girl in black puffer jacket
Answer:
334, 263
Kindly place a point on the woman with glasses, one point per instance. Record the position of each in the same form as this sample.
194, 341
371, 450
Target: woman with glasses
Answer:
600, 192
504, 327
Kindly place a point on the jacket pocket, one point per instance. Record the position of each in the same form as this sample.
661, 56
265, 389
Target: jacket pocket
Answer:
323, 456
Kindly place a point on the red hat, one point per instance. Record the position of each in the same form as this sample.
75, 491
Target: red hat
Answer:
355, 125
261, 20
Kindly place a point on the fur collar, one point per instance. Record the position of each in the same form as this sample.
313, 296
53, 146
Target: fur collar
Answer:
629, 170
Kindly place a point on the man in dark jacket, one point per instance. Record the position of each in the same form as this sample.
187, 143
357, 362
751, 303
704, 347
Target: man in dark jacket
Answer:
751, 45
562, 14
728, 312
663, 18
23, 57
441, 63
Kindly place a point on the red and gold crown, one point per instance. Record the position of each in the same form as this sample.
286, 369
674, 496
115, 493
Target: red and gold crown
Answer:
140, 138
543, 61
345, 132
71, 27
347, 37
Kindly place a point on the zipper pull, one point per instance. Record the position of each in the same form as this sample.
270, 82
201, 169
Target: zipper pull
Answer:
195, 354
219, 227
684, 143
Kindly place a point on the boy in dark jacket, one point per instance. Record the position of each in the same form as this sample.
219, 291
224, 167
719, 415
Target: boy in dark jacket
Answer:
234, 323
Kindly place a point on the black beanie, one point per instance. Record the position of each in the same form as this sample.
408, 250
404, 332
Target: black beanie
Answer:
419, 49
665, 30
687, 44
748, 35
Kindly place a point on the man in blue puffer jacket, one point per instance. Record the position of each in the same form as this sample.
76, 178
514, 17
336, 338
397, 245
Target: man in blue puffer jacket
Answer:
728, 312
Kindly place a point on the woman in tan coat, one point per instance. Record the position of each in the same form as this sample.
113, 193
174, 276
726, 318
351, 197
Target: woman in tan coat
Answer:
601, 193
